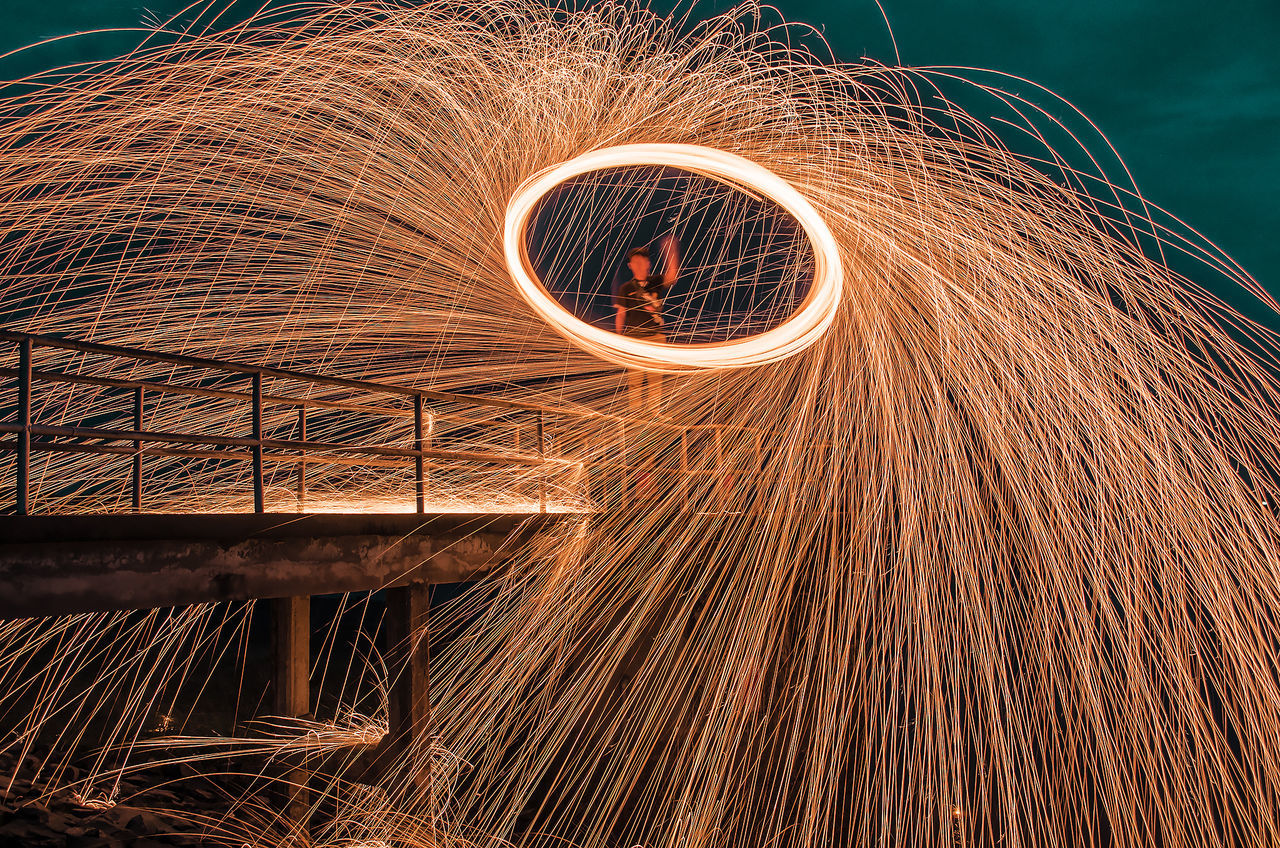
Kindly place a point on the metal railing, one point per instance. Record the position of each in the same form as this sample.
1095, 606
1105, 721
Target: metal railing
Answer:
138, 441
629, 454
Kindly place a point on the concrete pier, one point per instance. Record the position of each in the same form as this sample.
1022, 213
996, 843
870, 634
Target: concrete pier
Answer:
58, 565
291, 682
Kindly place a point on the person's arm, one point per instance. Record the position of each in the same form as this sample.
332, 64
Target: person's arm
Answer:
670, 261
619, 318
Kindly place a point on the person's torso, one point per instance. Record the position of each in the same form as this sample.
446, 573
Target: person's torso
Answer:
642, 302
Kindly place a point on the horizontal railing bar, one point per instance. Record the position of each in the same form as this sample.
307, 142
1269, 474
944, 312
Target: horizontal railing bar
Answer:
196, 453
473, 456
275, 444
126, 450
312, 459
129, 435
306, 446
225, 394
229, 394
265, 371
319, 458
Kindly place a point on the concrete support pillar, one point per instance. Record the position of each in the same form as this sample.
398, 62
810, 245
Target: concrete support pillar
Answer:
291, 620
291, 644
406, 750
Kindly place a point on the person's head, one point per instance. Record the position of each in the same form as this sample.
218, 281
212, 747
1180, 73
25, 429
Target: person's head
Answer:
639, 263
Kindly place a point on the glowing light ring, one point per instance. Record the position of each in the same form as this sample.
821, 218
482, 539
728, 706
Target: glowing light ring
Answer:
805, 326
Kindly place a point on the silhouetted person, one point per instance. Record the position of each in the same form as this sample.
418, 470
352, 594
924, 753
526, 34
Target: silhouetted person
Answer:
639, 315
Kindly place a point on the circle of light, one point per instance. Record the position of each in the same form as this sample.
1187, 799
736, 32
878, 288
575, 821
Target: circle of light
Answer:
805, 325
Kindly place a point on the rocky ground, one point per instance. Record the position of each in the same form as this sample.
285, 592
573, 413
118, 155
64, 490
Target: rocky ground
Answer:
169, 806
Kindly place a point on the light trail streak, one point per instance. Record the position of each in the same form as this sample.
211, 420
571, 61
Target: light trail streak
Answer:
800, 330
1000, 540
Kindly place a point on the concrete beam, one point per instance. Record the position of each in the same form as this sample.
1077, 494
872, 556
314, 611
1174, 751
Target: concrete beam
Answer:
56, 565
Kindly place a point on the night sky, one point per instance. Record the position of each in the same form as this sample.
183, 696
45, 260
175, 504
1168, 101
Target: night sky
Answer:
1188, 91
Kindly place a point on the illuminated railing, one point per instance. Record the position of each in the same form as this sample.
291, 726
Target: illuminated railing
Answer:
614, 455
138, 441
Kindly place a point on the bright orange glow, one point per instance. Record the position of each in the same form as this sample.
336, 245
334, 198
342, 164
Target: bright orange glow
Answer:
802, 329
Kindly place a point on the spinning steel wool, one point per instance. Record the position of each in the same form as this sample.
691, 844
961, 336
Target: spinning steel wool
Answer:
982, 552
796, 333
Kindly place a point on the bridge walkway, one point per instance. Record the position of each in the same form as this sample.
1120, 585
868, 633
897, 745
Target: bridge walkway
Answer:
290, 432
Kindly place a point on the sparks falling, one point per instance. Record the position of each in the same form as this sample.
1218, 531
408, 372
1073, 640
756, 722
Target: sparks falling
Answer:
990, 562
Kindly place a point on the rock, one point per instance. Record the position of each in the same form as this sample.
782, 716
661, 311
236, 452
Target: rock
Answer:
136, 820
59, 822
163, 795
90, 840
32, 811
26, 833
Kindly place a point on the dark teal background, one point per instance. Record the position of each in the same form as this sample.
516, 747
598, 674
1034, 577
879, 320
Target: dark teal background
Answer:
1188, 91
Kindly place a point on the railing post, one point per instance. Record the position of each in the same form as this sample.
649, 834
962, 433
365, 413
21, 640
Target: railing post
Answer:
137, 450
22, 495
419, 463
542, 469
259, 500
302, 459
